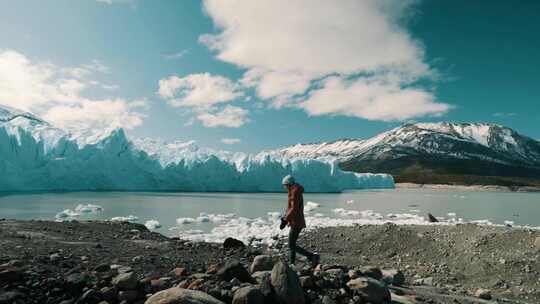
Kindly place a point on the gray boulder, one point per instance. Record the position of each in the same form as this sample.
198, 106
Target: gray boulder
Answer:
261, 263
483, 294
287, 284
177, 295
371, 290
372, 272
233, 269
125, 281
259, 275
393, 276
431, 218
232, 243
248, 295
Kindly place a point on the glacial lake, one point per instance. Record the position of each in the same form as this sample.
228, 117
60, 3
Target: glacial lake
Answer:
214, 216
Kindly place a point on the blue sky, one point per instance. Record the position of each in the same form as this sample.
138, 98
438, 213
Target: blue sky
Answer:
248, 76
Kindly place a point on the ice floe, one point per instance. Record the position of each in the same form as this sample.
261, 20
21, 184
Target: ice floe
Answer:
129, 218
67, 214
80, 209
310, 206
152, 224
88, 208
265, 230
184, 220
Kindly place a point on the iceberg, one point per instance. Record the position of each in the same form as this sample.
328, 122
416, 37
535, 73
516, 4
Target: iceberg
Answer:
35, 156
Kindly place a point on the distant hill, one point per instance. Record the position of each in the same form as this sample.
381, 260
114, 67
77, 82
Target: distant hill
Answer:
440, 153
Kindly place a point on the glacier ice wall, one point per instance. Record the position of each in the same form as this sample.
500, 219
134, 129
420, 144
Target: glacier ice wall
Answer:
31, 161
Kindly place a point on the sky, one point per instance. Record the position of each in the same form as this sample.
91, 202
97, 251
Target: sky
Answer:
247, 75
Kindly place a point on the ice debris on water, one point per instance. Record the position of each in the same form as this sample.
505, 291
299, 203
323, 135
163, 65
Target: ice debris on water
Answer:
129, 218
88, 208
80, 209
152, 224
310, 206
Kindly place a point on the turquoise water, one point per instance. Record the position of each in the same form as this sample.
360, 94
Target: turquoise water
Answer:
496, 207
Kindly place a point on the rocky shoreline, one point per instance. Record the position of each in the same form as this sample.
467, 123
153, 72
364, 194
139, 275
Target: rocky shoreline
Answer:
107, 262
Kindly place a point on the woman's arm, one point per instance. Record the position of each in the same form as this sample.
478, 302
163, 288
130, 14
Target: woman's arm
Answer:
292, 205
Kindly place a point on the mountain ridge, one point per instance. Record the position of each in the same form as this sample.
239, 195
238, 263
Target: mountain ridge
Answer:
445, 152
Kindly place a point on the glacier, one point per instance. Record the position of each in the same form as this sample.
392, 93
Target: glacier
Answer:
36, 156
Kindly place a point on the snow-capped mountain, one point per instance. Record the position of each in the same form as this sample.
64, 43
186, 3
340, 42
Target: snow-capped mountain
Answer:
34, 155
433, 149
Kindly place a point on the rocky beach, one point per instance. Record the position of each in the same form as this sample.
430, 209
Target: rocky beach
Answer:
107, 262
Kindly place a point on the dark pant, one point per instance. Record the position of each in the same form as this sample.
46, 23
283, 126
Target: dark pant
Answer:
293, 248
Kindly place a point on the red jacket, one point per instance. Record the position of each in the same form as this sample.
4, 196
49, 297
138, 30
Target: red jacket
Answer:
295, 207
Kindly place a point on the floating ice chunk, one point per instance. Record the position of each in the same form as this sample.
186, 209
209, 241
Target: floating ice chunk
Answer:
350, 202
274, 215
203, 218
129, 218
152, 224
344, 212
482, 222
370, 214
318, 215
220, 218
414, 211
509, 223
184, 220
451, 214
66, 214
88, 208
404, 216
194, 231
310, 206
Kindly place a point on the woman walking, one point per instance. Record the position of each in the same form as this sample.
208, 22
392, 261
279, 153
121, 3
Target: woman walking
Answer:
295, 219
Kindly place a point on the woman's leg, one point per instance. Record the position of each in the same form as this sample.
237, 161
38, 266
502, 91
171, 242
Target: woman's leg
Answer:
293, 248
293, 237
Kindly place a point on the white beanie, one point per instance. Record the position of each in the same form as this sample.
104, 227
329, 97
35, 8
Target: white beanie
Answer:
288, 180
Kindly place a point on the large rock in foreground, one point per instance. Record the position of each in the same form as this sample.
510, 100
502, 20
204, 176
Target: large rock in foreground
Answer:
373, 291
248, 295
261, 263
287, 284
233, 269
177, 295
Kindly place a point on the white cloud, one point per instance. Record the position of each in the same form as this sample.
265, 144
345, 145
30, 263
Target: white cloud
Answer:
57, 94
230, 141
230, 117
270, 84
102, 114
370, 98
286, 47
198, 90
208, 96
27, 86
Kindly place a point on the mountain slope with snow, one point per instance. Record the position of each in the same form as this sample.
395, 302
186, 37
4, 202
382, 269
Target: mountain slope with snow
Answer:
37, 156
435, 152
